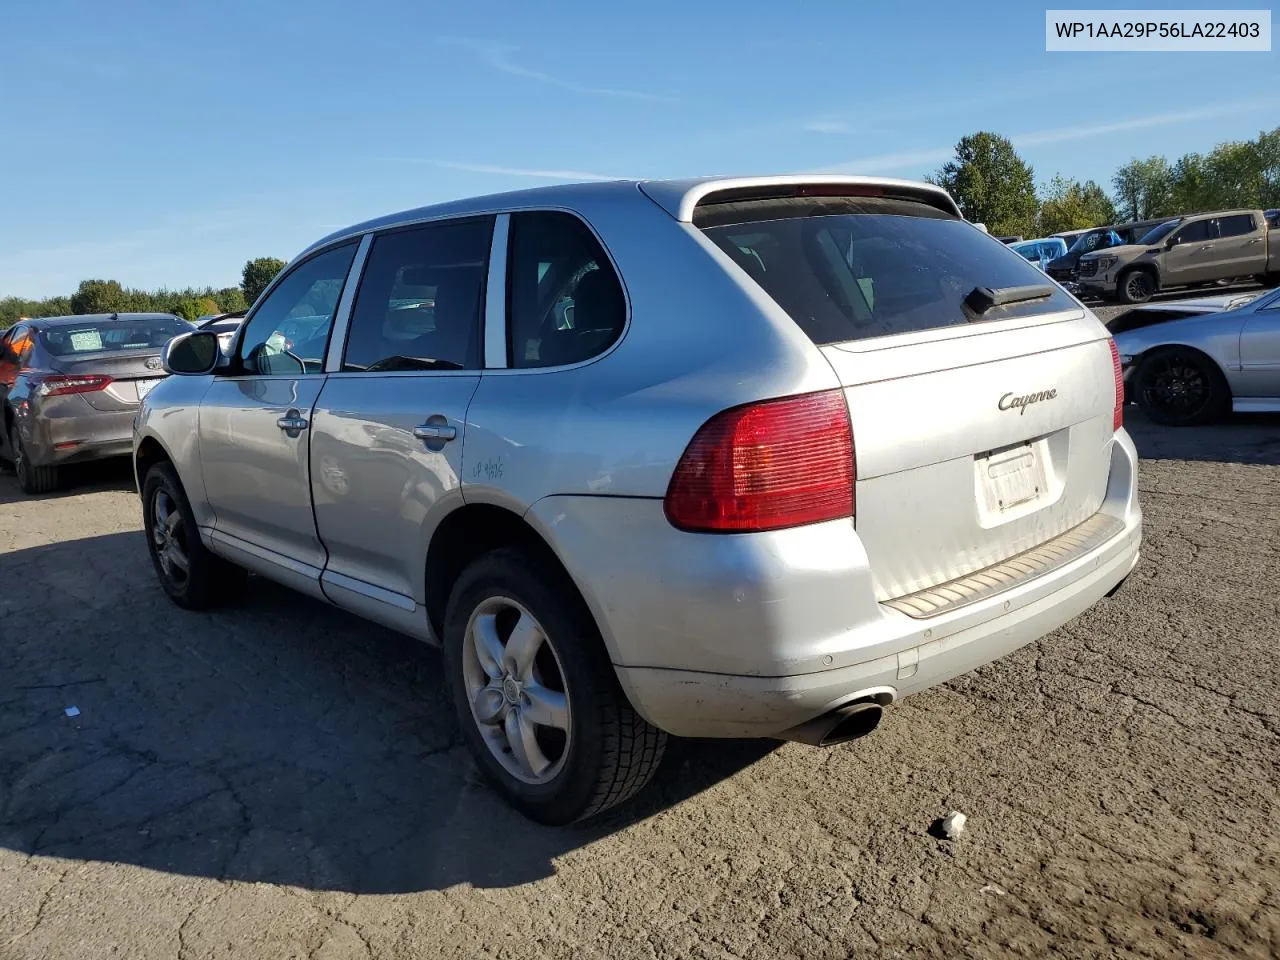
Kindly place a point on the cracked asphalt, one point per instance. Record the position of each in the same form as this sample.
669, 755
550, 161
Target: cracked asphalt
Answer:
282, 780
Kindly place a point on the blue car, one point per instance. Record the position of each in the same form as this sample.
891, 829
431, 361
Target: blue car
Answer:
1040, 252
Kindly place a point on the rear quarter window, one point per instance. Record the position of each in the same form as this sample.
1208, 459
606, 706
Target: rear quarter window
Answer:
853, 268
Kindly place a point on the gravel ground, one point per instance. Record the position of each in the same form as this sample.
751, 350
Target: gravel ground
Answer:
282, 780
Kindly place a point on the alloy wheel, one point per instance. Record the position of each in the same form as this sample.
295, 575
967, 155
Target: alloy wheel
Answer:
169, 538
1138, 286
1177, 388
517, 690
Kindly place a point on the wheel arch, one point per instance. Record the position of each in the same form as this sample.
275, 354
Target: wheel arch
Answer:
148, 452
472, 530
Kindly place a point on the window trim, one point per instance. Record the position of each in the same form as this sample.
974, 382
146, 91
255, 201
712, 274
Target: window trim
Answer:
506, 292
236, 370
1253, 225
338, 347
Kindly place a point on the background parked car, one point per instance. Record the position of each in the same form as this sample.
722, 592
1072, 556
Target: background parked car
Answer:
1186, 251
1066, 267
1041, 251
224, 325
1193, 369
69, 388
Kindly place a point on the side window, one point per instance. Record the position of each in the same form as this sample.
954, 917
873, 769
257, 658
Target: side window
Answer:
1193, 232
289, 332
564, 301
1236, 225
20, 343
421, 299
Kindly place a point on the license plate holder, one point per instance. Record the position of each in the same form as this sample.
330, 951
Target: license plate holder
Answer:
145, 386
1012, 478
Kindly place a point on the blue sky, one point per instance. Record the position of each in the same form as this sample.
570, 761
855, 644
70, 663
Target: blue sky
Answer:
165, 144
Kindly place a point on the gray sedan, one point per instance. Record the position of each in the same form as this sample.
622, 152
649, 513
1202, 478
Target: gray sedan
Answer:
70, 386
1197, 368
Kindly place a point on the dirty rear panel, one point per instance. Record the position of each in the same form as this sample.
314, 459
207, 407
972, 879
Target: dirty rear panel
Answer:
981, 396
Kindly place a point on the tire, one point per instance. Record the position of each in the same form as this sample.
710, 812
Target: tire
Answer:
604, 754
1136, 286
173, 540
32, 479
1180, 387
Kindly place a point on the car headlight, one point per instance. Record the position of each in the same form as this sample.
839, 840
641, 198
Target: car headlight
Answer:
1106, 263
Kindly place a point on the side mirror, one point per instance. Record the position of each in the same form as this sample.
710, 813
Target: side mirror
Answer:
1171, 243
191, 354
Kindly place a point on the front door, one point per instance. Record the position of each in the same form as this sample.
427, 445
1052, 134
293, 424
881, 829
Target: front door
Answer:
1189, 261
255, 421
388, 436
1260, 350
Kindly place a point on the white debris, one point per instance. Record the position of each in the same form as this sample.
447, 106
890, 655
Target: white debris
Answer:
953, 824
992, 888
72, 711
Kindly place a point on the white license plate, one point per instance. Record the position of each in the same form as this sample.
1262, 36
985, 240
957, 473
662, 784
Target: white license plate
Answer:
1012, 477
144, 386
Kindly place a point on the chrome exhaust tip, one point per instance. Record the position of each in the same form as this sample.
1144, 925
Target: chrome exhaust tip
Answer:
847, 722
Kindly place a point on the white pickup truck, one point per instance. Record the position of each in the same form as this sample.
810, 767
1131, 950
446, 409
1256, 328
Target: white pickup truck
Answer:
1186, 251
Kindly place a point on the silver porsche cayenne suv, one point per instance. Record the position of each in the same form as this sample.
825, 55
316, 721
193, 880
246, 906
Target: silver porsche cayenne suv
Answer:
707, 458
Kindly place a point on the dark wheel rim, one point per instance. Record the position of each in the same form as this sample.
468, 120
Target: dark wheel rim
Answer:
1176, 387
169, 538
1138, 286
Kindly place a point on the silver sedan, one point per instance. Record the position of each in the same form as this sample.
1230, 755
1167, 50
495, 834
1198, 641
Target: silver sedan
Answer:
1197, 368
70, 386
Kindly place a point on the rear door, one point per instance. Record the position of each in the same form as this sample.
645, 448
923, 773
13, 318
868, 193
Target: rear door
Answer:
1241, 247
255, 439
978, 433
388, 433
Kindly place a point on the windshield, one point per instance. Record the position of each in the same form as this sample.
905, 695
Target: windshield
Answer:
848, 269
1084, 243
100, 336
1157, 234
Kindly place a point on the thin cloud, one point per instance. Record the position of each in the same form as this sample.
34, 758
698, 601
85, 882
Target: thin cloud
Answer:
498, 56
531, 172
931, 155
827, 126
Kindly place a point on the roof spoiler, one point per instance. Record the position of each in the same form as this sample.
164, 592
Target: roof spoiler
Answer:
680, 197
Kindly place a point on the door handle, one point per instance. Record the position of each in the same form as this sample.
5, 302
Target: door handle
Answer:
1255, 240
435, 431
292, 423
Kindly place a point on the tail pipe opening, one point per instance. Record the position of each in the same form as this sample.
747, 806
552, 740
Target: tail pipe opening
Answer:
846, 722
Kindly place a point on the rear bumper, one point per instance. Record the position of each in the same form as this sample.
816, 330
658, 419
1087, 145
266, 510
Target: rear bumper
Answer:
65, 434
750, 636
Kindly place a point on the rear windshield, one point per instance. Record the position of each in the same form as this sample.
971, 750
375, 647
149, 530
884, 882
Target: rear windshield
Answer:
98, 336
851, 268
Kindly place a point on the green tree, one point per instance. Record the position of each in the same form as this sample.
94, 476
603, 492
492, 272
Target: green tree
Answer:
99, 296
992, 184
1144, 189
230, 300
1071, 205
257, 274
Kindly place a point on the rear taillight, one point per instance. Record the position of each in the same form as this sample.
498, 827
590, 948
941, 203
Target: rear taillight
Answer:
1117, 414
779, 463
58, 385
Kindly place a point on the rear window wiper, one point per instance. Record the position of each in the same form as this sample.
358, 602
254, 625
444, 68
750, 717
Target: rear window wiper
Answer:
982, 299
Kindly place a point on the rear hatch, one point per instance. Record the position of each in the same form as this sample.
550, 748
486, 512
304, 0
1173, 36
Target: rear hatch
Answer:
981, 428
